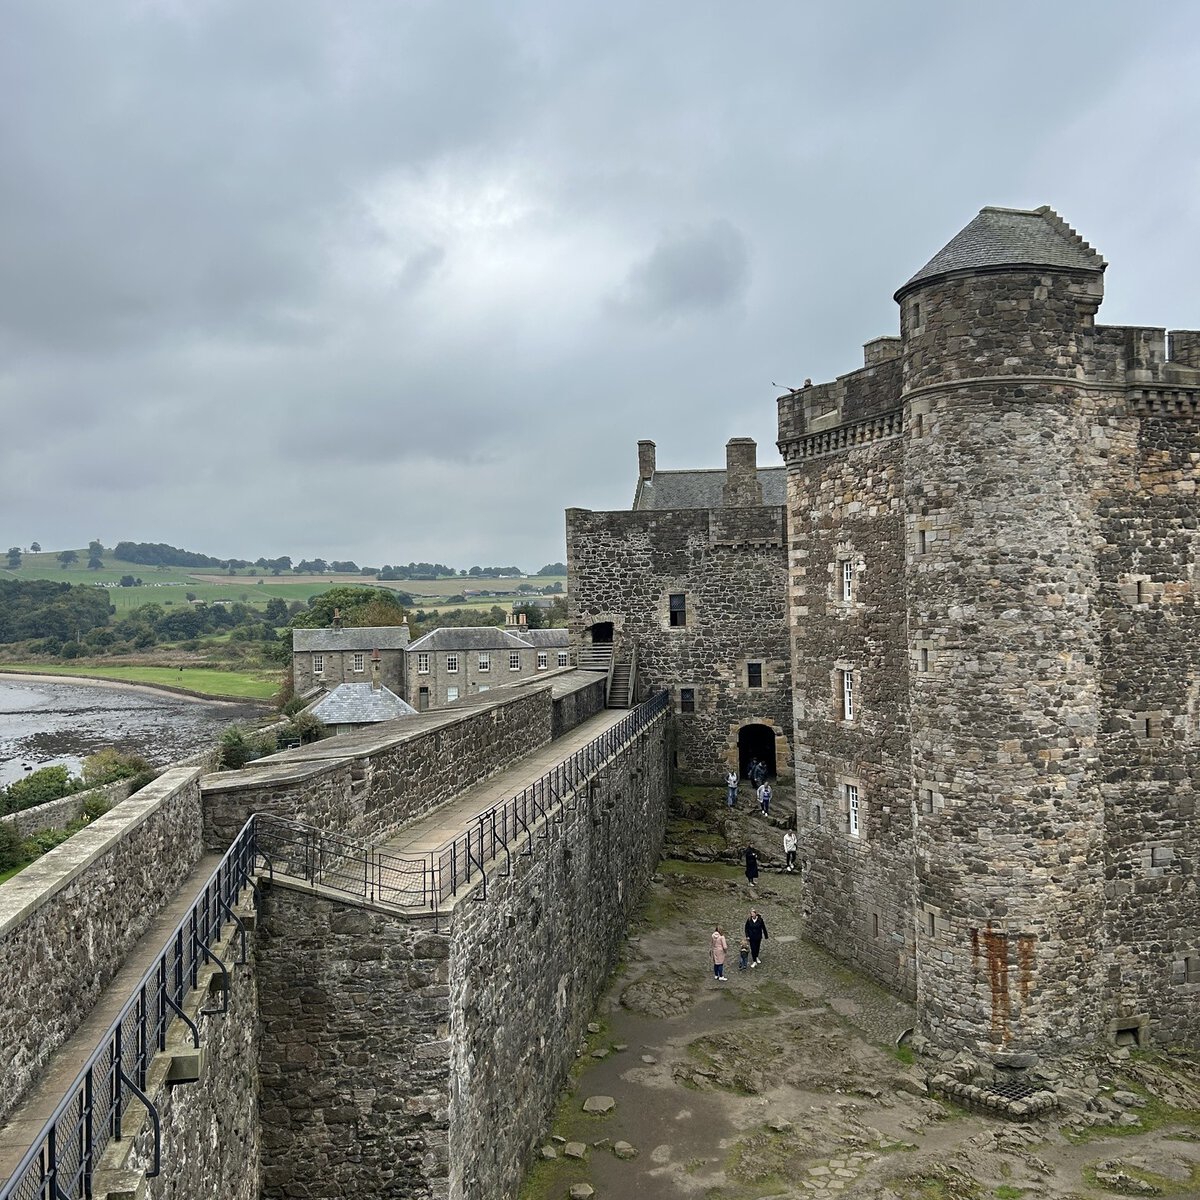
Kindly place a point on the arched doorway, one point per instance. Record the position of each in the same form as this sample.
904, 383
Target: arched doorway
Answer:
756, 741
602, 633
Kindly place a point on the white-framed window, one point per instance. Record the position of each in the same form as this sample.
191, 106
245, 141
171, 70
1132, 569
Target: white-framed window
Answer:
422, 664
452, 664
852, 813
848, 695
563, 658
847, 580
318, 664
483, 687
485, 661
543, 660
451, 694
360, 662
514, 660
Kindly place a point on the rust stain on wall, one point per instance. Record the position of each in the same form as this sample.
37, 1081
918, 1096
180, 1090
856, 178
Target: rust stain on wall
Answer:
996, 947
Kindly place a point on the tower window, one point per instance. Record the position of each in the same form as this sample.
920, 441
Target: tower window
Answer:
916, 314
687, 700
678, 606
847, 580
852, 813
930, 920
848, 695
754, 675
922, 541
924, 658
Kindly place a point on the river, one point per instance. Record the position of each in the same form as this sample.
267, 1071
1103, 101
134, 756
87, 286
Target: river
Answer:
45, 722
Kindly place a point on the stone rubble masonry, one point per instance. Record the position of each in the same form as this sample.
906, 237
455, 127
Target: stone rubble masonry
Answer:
1015, 488
411, 1058
68, 920
370, 782
58, 814
731, 565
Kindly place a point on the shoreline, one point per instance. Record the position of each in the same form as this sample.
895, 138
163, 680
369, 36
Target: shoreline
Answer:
124, 685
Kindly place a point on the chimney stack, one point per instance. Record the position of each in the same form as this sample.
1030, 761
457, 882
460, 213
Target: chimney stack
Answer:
645, 460
742, 488
375, 681
337, 618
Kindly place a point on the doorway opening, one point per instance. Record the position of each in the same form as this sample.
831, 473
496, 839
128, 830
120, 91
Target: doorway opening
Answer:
756, 741
602, 633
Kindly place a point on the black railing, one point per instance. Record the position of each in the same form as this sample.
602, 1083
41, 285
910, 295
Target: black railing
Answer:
65, 1155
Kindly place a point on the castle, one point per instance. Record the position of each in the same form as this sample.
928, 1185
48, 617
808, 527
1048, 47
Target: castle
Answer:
975, 621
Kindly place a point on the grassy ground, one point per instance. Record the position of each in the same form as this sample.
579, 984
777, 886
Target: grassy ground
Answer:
203, 681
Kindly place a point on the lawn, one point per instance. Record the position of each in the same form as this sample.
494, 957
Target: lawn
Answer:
221, 685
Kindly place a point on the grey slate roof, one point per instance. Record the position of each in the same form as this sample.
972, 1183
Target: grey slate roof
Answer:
546, 638
377, 637
469, 637
360, 704
703, 489
1011, 237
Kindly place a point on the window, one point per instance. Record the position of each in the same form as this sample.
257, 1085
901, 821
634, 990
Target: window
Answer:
1143, 591
318, 664
848, 695
754, 675
360, 662
678, 603
916, 314
485, 661
875, 924
687, 700
543, 660
422, 664
919, 424
563, 659
451, 694
929, 924
452, 664
483, 687
922, 541
816, 814
514, 660
927, 800
852, 814
924, 658
847, 581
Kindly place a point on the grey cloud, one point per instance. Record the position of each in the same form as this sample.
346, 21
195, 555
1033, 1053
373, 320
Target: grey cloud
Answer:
697, 270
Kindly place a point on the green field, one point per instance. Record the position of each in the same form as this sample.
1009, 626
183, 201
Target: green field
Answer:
204, 681
169, 586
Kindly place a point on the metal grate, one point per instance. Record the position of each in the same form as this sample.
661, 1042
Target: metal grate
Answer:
1011, 1089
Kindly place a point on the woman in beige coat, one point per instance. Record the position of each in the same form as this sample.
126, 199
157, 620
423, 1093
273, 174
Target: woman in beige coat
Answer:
716, 951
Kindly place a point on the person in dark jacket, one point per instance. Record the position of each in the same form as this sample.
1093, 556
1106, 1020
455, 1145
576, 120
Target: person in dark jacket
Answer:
751, 865
756, 930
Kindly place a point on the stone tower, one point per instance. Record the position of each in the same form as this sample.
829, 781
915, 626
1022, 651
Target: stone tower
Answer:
997, 332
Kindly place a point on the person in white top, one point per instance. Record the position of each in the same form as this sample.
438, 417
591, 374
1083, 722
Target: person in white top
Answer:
789, 848
731, 785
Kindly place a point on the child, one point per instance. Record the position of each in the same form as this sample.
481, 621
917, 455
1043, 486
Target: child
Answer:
744, 954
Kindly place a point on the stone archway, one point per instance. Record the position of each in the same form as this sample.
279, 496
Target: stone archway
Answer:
756, 741
602, 633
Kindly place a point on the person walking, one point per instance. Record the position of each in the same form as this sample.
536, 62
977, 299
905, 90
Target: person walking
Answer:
751, 856
789, 849
757, 773
716, 951
744, 954
764, 798
756, 931
731, 787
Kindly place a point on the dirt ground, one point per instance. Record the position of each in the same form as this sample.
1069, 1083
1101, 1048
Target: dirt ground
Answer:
786, 1081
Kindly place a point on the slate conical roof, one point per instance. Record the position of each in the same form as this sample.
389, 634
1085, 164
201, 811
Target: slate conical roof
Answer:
999, 238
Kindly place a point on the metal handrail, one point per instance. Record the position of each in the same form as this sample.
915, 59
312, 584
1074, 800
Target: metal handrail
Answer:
60, 1163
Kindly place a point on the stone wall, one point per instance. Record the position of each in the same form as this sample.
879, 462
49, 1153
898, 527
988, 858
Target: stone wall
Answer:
731, 566
577, 706
68, 920
58, 814
849, 509
529, 964
1150, 723
354, 1053
370, 782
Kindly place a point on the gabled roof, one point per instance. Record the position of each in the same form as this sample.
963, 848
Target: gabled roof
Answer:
703, 489
546, 638
369, 637
468, 637
360, 704
1000, 238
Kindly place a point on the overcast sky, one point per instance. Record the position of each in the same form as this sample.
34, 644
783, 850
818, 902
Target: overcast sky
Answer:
394, 281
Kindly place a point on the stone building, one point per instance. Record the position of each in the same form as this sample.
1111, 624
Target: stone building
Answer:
351, 705
688, 591
996, 654
325, 658
451, 663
